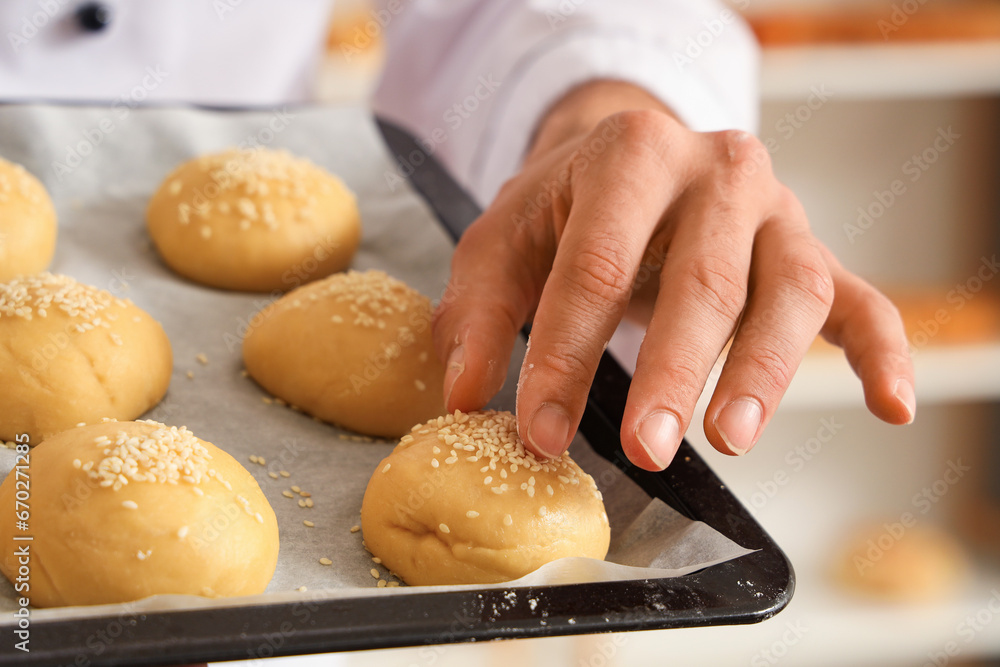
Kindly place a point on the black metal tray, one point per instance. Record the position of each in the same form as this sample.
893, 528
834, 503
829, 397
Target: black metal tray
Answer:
746, 590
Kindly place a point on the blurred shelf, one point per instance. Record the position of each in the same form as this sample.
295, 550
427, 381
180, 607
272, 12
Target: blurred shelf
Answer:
880, 71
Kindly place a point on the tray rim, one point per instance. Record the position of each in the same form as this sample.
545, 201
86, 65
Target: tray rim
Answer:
717, 595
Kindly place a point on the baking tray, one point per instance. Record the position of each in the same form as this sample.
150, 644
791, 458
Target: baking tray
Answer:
746, 590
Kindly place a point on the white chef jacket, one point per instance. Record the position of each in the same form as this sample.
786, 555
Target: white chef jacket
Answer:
470, 77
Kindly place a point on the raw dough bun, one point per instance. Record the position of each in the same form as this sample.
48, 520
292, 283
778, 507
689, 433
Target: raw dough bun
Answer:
354, 349
71, 353
255, 220
460, 501
181, 516
895, 562
27, 223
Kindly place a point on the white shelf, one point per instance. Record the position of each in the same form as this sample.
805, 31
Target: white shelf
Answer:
882, 71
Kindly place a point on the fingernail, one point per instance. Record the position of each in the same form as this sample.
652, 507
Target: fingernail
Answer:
454, 370
738, 423
659, 434
548, 430
903, 391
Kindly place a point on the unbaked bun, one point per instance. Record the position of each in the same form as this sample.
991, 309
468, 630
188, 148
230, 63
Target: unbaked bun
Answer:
254, 220
354, 349
27, 223
903, 563
124, 510
460, 501
72, 353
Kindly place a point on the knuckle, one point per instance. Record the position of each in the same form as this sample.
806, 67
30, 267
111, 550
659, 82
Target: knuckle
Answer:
774, 371
743, 154
716, 282
601, 273
809, 276
570, 364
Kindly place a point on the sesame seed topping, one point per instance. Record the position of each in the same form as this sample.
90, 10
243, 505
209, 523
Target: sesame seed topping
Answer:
130, 504
386, 467
206, 232
164, 455
542, 511
77, 464
472, 514
36, 294
434, 463
507, 520
420, 385
143, 555
182, 532
325, 561
548, 490
198, 492
444, 528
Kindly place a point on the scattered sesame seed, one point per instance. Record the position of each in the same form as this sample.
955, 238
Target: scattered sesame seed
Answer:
253, 458
77, 464
202, 359
182, 532
206, 232
548, 490
288, 494
301, 589
190, 375
489, 478
143, 555
325, 561
381, 583
307, 523
302, 503
284, 473
355, 529
420, 385
305, 494
472, 514
542, 511
374, 573
309, 502
444, 528
198, 492
261, 460
296, 488
272, 475
434, 463
376, 560
130, 504
507, 520
386, 467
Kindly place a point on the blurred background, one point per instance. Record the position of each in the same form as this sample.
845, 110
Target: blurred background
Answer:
883, 117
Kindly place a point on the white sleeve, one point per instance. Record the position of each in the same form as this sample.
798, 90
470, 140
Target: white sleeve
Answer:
471, 78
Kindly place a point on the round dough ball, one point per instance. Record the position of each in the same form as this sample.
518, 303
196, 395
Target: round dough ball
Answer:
895, 562
27, 223
255, 220
124, 510
460, 501
354, 349
71, 353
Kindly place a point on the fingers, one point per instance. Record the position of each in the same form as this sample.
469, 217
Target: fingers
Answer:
488, 299
702, 292
867, 325
617, 205
791, 297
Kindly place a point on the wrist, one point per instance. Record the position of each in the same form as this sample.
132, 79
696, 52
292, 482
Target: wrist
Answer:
579, 111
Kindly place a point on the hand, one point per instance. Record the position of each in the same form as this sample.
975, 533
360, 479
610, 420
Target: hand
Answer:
727, 253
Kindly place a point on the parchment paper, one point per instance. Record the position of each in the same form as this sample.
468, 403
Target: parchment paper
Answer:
101, 179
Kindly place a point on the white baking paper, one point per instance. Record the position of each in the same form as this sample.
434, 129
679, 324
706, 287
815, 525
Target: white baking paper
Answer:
101, 165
